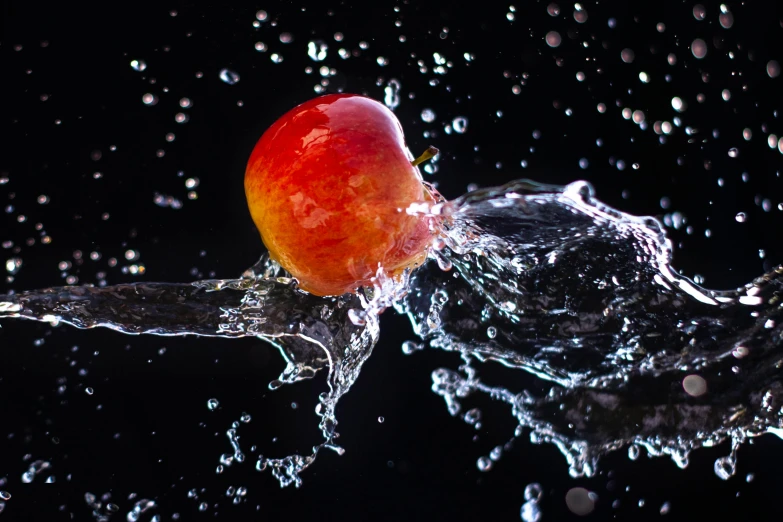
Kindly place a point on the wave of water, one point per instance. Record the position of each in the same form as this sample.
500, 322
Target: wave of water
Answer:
607, 345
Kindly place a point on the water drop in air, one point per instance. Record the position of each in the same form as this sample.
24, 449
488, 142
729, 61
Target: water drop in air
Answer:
428, 115
229, 77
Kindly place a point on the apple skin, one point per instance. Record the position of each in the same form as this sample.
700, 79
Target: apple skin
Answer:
327, 186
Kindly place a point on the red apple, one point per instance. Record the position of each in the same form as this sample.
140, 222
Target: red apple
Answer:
327, 186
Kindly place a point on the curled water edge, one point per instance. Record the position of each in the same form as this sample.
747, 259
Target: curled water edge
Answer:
613, 348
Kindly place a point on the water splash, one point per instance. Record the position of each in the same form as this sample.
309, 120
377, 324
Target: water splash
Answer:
583, 298
547, 280
311, 333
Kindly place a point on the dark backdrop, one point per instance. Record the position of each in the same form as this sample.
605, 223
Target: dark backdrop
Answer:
71, 95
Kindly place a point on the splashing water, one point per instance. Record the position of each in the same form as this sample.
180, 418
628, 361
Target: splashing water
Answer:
580, 299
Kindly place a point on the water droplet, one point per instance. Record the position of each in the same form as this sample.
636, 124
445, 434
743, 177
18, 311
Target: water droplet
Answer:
694, 385
138, 65
4, 495
381, 420
149, 99
699, 48
212, 404
633, 452
229, 77
773, 69
460, 124
726, 20
580, 501
553, 39
33, 470
534, 492
13, 265
391, 94
725, 467
428, 115
741, 217
317, 50
530, 512
484, 464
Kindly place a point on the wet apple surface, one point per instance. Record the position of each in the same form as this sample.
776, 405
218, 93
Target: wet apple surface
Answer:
328, 185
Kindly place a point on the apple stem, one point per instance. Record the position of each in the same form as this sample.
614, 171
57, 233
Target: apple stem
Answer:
430, 153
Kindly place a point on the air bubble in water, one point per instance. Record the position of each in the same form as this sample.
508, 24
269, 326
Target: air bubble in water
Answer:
138, 65
228, 76
149, 99
460, 124
627, 55
212, 404
741, 217
773, 68
428, 115
484, 464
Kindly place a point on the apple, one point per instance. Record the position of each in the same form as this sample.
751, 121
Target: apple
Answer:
328, 185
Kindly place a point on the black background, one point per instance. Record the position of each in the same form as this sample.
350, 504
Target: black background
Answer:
146, 428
